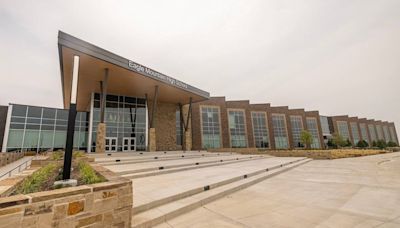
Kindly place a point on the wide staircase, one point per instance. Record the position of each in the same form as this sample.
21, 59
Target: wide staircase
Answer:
168, 184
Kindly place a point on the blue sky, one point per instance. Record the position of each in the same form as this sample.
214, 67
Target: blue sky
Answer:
338, 57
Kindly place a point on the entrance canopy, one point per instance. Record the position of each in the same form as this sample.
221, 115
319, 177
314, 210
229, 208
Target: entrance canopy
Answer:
125, 76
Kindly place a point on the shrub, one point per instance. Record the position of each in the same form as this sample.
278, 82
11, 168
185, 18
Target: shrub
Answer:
37, 181
87, 174
381, 144
306, 138
362, 144
331, 144
374, 144
348, 143
391, 144
338, 140
57, 156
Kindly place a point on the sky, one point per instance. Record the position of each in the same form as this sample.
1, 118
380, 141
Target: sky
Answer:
338, 57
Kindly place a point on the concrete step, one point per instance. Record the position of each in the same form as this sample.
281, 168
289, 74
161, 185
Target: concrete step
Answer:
161, 165
178, 168
184, 204
200, 188
139, 154
122, 161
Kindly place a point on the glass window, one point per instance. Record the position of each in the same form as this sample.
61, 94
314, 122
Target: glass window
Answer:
15, 138
34, 112
354, 132
364, 134
386, 133
260, 129
178, 127
210, 127
62, 114
343, 129
372, 132
46, 139
49, 113
237, 128
31, 140
60, 138
379, 130
312, 127
297, 127
280, 131
19, 110
393, 134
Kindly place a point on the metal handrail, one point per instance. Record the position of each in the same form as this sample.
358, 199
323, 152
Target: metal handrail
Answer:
18, 167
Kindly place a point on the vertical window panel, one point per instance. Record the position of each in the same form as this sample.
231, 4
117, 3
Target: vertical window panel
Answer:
237, 128
260, 129
280, 131
312, 127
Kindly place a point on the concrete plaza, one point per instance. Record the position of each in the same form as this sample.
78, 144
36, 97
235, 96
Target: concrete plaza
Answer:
351, 192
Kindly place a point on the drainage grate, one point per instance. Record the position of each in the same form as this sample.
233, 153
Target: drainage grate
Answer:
161, 167
197, 163
206, 188
221, 160
118, 160
266, 170
245, 176
108, 154
183, 156
165, 152
155, 157
140, 153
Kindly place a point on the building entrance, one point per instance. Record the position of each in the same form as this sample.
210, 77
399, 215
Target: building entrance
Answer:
111, 144
129, 144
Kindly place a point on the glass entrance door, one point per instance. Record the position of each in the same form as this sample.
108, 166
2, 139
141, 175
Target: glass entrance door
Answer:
129, 144
111, 144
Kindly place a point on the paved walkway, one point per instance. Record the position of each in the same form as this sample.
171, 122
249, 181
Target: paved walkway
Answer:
12, 165
352, 192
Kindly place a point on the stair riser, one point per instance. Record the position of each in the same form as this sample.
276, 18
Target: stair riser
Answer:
153, 160
183, 165
184, 169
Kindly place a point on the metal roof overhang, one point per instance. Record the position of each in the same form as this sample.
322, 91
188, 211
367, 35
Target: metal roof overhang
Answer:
125, 78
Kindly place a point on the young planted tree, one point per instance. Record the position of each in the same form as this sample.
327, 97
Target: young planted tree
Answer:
362, 144
306, 138
338, 140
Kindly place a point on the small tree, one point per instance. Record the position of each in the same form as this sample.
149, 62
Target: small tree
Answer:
306, 138
338, 140
362, 144
331, 144
374, 144
381, 144
348, 143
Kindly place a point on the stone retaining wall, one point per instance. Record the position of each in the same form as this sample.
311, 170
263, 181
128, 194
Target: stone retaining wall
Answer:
107, 204
9, 157
315, 154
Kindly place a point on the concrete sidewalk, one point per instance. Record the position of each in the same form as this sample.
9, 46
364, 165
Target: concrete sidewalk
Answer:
352, 192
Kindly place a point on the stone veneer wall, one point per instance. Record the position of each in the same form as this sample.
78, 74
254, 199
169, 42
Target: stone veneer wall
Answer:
107, 204
7, 158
